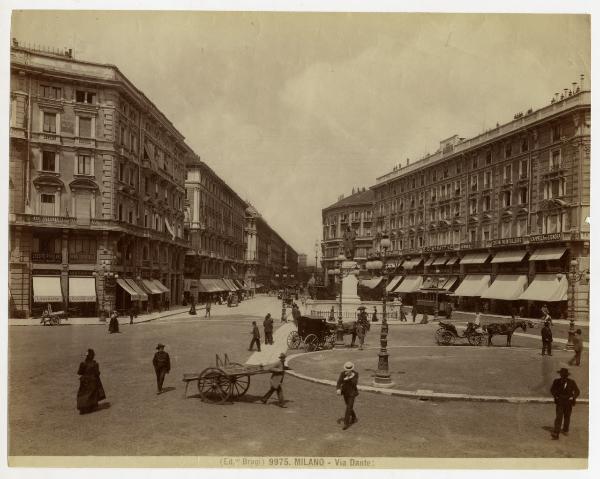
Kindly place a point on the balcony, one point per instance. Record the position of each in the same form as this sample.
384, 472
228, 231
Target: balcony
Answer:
54, 258
42, 220
82, 258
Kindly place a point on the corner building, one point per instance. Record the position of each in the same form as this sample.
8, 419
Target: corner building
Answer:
96, 186
499, 217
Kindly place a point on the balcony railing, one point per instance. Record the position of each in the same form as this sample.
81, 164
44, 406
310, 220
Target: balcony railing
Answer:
38, 257
82, 257
42, 219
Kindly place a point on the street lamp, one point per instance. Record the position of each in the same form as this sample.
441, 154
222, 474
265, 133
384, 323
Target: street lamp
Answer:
382, 376
572, 277
284, 291
339, 329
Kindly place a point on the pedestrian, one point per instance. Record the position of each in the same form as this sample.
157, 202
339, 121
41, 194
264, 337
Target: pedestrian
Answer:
577, 348
546, 339
208, 306
565, 392
255, 337
374, 317
361, 332
402, 313
331, 315
90, 387
268, 327
193, 307
113, 325
347, 386
414, 313
546, 314
131, 314
477, 322
277, 374
283, 315
449, 310
162, 366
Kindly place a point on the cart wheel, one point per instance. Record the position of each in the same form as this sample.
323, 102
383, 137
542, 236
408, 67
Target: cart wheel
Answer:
293, 340
214, 386
239, 384
446, 338
311, 342
475, 339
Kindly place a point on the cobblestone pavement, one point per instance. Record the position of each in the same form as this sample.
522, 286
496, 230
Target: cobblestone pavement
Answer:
43, 419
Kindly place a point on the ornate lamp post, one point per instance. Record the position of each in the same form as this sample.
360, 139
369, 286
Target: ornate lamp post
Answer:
283, 294
573, 277
382, 376
339, 329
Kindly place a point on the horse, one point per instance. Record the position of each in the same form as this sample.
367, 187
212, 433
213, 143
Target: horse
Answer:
505, 329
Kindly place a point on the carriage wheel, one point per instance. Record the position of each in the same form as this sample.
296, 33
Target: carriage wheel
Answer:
239, 384
438, 335
214, 386
446, 338
475, 339
311, 342
293, 340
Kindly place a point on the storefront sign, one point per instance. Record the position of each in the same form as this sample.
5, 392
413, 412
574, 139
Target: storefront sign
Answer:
443, 247
466, 245
545, 237
507, 241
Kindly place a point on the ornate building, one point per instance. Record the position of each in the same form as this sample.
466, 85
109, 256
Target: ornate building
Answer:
96, 181
270, 261
215, 227
355, 211
504, 213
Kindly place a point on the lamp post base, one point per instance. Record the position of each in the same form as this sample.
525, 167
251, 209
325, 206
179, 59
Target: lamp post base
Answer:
382, 375
569, 345
339, 340
383, 381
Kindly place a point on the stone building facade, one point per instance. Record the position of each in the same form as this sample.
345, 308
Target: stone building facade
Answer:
215, 227
96, 184
502, 214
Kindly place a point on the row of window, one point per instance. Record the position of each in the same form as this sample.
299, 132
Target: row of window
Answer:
53, 92
84, 125
84, 164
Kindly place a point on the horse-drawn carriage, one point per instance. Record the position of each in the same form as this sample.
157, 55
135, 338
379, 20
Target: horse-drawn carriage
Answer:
313, 333
53, 318
447, 334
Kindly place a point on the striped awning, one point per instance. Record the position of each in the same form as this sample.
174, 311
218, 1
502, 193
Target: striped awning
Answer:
547, 254
440, 260
46, 289
82, 289
452, 260
393, 283
410, 284
546, 287
135, 296
474, 258
429, 262
151, 287
509, 256
138, 288
160, 286
473, 285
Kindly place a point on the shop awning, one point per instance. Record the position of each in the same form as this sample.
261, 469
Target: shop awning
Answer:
440, 260
429, 262
204, 286
258, 285
547, 254
393, 283
82, 289
190, 284
474, 258
507, 287
411, 263
546, 287
138, 288
509, 256
410, 284
371, 283
450, 282
229, 284
473, 285
151, 287
160, 286
135, 296
46, 289
239, 283
220, 285
452, 260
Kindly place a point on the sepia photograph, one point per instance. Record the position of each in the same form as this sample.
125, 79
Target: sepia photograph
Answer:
297, 239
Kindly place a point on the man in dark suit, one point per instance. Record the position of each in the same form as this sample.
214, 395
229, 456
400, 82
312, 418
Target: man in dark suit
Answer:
347, 387
565, 392
276, 381
268, 327
255, 337
162, 365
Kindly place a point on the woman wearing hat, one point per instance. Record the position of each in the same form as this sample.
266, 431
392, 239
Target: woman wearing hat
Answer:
90, 386
162, 366
347, 387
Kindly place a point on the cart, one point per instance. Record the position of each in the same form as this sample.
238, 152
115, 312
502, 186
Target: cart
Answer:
313, 333
226, 381
52, 318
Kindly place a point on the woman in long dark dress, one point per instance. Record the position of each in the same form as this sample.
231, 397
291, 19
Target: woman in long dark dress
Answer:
90, 386
113, 325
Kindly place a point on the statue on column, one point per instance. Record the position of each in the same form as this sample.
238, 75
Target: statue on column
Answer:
349, 237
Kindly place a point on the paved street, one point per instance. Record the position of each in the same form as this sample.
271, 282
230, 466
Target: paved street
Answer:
43, 419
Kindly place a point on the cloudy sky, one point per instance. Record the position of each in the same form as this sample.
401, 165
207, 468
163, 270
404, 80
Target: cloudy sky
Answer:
293, 109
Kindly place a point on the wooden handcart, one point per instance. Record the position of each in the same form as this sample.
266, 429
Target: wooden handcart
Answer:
226, 381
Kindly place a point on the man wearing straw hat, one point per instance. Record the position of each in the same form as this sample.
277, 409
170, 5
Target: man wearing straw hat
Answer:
276, 380
162, 366
347, 387
565, 392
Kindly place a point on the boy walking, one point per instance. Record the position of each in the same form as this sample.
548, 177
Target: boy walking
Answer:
255, 337
577, 348
546, 339
162, 366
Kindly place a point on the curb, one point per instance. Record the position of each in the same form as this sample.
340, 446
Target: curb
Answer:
425, 395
